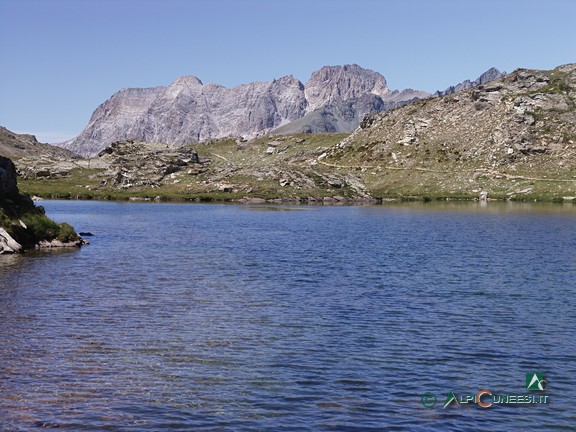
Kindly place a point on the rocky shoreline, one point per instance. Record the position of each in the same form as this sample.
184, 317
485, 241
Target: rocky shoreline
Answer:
23, 225
319, 200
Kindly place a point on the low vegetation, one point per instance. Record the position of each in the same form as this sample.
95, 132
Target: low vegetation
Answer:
28, 224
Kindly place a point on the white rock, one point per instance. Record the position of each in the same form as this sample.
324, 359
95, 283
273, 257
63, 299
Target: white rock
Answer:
7, 243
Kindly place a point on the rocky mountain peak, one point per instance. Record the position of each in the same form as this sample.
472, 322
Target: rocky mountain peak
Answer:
332, 83
490, 75
186, 80
288, 80
335, 99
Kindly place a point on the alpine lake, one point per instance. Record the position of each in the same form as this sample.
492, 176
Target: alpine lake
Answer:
230, 317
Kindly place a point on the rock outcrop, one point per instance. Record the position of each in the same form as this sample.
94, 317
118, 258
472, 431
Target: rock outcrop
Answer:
8, 182
7, 244
131, 164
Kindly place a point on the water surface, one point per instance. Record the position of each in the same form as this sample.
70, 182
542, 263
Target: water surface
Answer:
271, 318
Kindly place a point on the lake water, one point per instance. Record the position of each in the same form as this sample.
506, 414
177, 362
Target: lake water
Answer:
186, 317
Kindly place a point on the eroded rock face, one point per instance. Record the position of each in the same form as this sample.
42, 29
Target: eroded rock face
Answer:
335, 99
188, 111
7, 244
8, 183
334, 83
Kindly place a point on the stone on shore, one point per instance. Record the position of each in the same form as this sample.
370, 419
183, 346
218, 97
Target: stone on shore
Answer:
8, 244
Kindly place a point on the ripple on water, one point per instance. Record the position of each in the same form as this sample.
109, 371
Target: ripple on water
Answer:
328, 318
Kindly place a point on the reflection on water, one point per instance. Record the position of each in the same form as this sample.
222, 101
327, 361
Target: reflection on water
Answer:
224, 317
9, 263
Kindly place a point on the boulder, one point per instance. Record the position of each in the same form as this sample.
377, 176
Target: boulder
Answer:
8, 244
8, 185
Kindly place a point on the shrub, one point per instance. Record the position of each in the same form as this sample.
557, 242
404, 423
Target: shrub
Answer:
4, 220
42, 227
67, 233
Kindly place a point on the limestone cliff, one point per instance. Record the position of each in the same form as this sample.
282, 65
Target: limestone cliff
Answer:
187, 111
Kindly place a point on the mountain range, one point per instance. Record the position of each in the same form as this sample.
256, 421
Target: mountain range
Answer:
335, 99
509, 138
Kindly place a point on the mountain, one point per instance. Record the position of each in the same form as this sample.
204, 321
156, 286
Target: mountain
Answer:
347, 82
340, 96
490, 75
335, 99
188, 111
18, 146
515, 136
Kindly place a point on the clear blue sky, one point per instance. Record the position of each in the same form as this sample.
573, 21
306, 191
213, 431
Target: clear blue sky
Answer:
60, 59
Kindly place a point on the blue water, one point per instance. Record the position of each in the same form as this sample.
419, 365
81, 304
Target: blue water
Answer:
189, 317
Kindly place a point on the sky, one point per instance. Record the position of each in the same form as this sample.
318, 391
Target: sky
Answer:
60, 59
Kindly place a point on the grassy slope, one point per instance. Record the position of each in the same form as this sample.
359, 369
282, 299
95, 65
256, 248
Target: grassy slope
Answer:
234, 171
457, 153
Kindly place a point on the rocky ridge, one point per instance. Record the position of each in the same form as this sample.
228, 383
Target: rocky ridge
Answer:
490, 75
510, 137
188, 111
17, 146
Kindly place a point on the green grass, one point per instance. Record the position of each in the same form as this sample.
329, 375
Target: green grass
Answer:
251, 172
225, 155
41, 227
